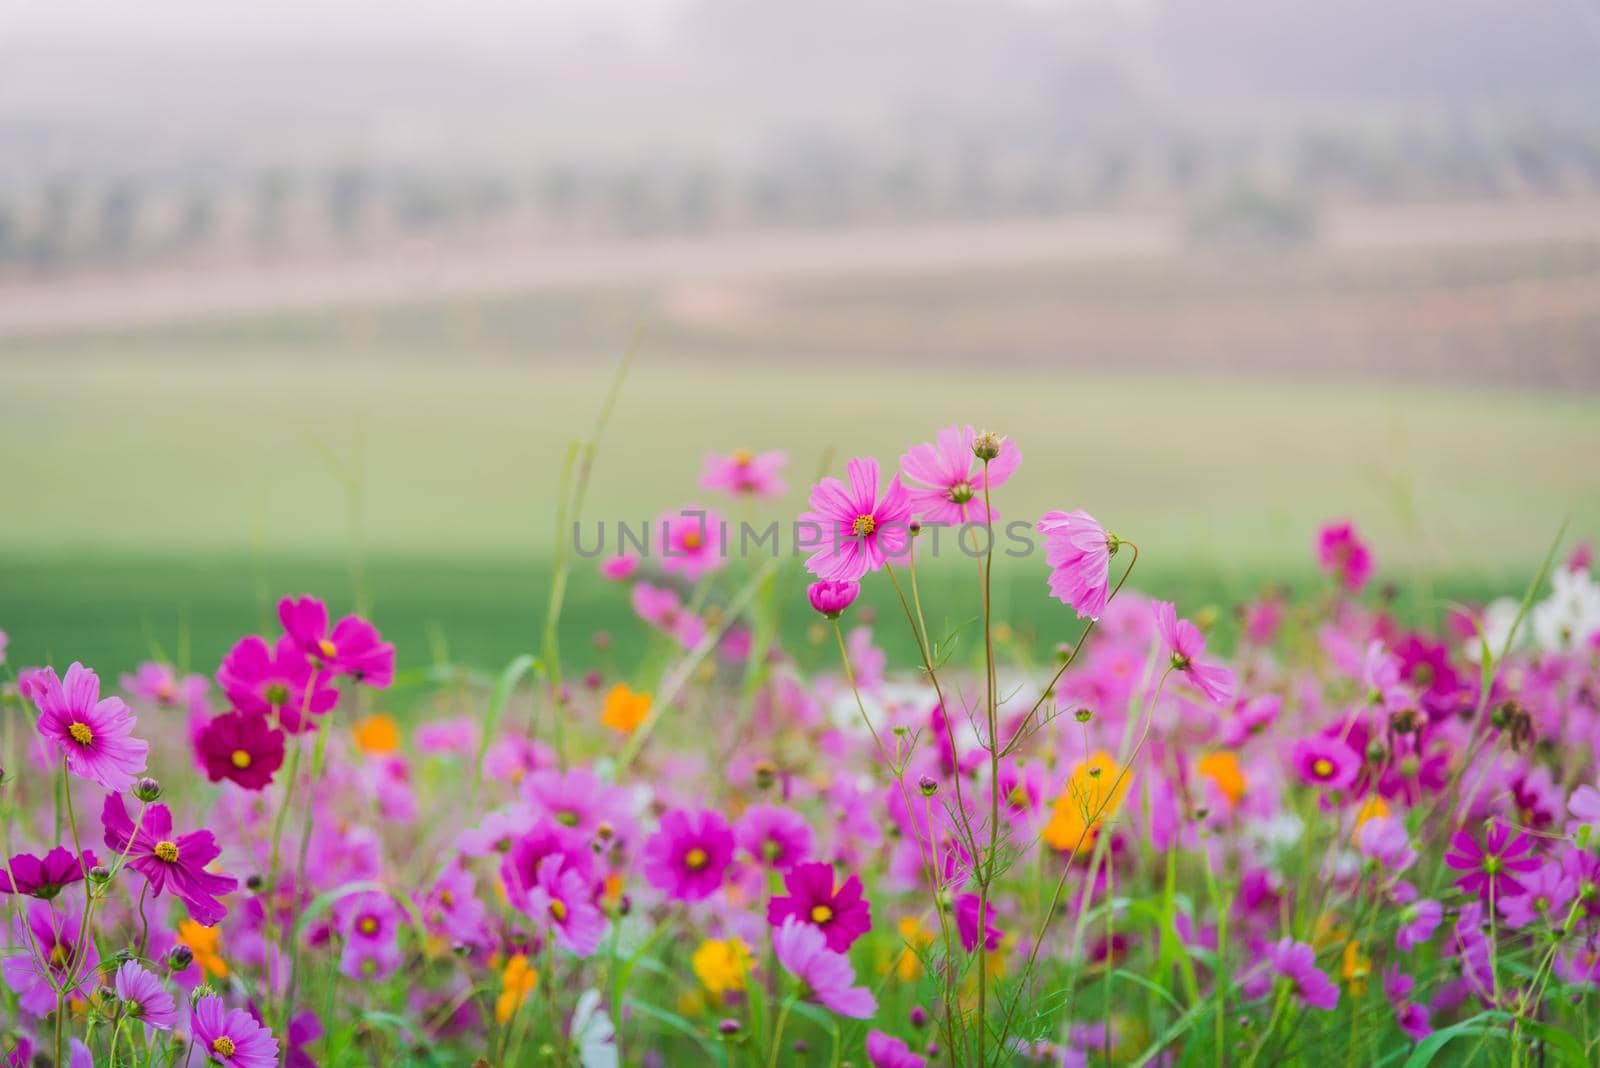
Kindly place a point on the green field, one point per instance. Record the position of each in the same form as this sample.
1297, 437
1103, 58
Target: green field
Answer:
163, 485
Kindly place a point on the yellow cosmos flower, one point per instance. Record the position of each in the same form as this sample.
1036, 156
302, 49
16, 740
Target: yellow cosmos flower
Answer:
376, 733
516, 983
624, 709
1092, 795
1222, 768
722, 964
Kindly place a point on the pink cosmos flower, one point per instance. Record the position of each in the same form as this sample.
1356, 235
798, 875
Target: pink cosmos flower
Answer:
743, 474
948, 480
1504, 855
1325, 762
687, 857
519, 868
95, 736
1411, 1017
1344, 555
1297, 962
160, 685
563, 899
1384, 841
233, 1038
886, 1051
53, 931
827, 976
353, 648
693, 542
143, 998
620, 567
1418, 920
832, 598
1186, 644
452, 909
169, 861
44, 877
1079, 552
370, 923
841, 913
1546, 893
241, 746
274, 681
662, 609
579, 800
966, 909
775, 837
858, 531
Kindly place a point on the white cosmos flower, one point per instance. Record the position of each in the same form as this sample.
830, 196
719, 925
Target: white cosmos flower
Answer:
592, 1033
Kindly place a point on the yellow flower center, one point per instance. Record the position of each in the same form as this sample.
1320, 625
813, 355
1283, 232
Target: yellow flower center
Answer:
166, 851
328, 649
864, 525
742, 457
692, 540
821, 914
446, 898
59, 956
1322, 767
368, 925
241, 758
558, 910
222, 1046
696, 858
80, 733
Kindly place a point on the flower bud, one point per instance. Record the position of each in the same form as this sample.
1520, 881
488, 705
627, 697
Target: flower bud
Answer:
832, 598
100, 874
766, 774
728, 1027
919, 1016
147, 789
928, 785
180, 958
1083, 715
986, 446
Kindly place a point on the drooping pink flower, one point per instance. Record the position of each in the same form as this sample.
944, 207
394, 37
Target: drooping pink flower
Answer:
233, 1038
142, 997
744, 474
1325, 762
1187, 645
839, 911
276, 681
774, 836
854, 529
1493, 866
1344, 555
1079, 552
94, 736
354, 647
169, 861
687, 857
832, 598
827, 976
662, 609
562, 898
44, 877
53, 932
1297, 962
241, 746
967, 907
947, 480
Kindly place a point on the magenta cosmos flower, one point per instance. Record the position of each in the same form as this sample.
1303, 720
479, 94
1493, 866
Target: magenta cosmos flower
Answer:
858, 531
886, 1051
745, 474
1187, 646
832, 598
232, 1038
241, 746
693, 542
169, 861
34, 977
43, 877
275, 681
143, 998
774, 836
354, 647
95, 736
687, 857
1344, 555
370, 922
1325, 762
1494, 865
1297, 962
838, 911
1079, 552
562, 898
825, 975
947, 479
966, 909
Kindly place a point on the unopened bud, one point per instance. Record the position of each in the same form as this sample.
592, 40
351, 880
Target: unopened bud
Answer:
728, 1027
147, 789
986, 446
766, 775
1083, 715
928, 785
99, 874
180, 958
919, 1016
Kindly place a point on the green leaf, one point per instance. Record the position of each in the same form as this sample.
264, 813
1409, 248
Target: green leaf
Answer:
1489, 1022
718, 1053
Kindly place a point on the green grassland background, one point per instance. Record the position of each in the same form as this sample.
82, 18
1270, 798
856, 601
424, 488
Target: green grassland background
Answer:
163, 486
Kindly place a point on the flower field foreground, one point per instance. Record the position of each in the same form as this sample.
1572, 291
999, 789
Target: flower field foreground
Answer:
1348, 839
